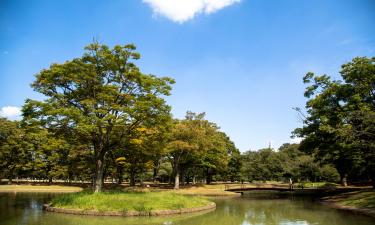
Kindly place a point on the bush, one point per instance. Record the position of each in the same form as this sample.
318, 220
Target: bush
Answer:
329, 173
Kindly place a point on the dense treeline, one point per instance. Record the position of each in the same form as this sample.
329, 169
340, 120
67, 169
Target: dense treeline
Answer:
184, 151
103, 119
285, 164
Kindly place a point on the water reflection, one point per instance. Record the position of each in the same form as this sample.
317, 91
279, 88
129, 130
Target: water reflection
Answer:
27, 209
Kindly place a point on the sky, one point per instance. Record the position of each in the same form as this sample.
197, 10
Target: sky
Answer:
240, 61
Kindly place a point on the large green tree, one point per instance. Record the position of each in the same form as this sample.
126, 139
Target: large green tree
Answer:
339, 125
99, 99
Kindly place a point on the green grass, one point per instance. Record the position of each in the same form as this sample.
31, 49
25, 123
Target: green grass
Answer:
127, 201
316, 184
358, 199
206, 190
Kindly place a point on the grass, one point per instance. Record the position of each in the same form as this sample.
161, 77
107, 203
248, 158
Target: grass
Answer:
38, 188
206, 190
364, 199
127, 201
316, 185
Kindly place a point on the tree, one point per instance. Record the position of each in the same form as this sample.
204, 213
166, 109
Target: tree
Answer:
234, 163
99, 98
214, 151
14, 156
50, 154
261, 165
184, 141
339, 126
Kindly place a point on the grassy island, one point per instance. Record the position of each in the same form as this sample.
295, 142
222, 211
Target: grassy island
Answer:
117, 201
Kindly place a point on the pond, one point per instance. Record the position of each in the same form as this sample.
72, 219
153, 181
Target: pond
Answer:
26, 208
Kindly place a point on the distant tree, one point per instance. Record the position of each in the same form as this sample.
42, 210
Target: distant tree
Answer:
185, 139
329, 173
14, 156
50, 154
215, 151
197, 146
234, 163
99, 98
260, 165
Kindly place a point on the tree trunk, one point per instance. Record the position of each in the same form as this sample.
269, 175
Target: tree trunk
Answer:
209, 176
50, 180
156, 171
176, 172
194, 181
132, 177
99, 175
177, 180
141, 178
155, 174
10, 178
119, 174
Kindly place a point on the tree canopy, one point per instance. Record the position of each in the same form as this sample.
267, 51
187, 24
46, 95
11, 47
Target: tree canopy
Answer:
339, 125
98, 99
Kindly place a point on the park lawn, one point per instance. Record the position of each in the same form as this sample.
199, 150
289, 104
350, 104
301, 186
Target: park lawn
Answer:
199, 190
206, 190
316, 184
38, 188
127, 201
364, 199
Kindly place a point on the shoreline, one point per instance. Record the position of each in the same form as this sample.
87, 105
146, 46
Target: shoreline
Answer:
38, 188
353, 209
210, 207
362, 201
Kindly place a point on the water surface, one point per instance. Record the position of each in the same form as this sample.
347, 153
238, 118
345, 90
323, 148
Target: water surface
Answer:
26, 208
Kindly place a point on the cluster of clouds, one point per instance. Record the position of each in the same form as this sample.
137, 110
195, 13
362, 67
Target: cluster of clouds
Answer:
11, 112
183, 10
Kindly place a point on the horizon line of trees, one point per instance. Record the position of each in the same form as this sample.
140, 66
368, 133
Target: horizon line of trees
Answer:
103, 118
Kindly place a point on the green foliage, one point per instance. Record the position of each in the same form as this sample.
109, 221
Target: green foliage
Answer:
329, 173
13, 150
339, 127
98, 100
286, 163
198, 145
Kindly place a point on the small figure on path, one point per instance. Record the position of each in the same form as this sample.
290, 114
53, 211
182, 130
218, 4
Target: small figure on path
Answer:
290, 184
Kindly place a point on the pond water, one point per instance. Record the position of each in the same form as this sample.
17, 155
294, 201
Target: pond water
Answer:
26, 208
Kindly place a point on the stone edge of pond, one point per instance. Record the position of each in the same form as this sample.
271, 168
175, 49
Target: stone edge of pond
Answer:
49, 208
332, 204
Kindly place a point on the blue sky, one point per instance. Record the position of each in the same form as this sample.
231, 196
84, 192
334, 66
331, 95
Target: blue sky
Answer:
240, 61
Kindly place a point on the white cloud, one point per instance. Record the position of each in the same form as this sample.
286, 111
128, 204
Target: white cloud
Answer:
11, 112
183, 10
